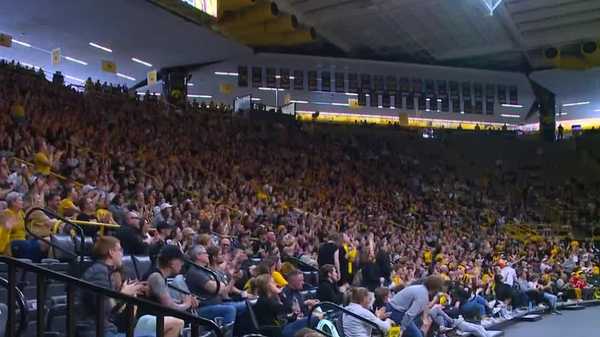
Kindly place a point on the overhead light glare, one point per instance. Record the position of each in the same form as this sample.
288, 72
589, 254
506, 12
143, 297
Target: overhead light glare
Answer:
72, 59
24, 44
95, 45
127, 77
299, 102
200, 96
576, 103
141, 62
512, 105
510, 116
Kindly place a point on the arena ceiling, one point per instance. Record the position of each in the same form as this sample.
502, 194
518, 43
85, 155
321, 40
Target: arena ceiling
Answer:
451, 32
130, 29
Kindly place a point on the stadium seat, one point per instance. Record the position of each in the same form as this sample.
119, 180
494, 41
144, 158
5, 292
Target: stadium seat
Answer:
65, 242
88, 244
3, 318
129, 268
142, 265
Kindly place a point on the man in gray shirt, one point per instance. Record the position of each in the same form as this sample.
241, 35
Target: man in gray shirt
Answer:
409, 303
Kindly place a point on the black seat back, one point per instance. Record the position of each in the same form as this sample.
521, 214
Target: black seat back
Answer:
129, 268
142, 265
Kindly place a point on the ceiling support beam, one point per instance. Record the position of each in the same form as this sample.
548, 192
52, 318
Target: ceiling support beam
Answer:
492, 5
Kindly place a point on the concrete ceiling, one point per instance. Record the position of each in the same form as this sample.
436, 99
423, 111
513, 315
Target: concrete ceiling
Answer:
131, 28
454, 32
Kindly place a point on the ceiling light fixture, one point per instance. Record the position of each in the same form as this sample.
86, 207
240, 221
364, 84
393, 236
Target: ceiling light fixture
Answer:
510, 116
126, 77
141, 62
73, 78
95, 45
72, 59
340, 104
576, 103
24, 44
512, 105
351, 94
299, 102
190, 84
200, 96
256, 99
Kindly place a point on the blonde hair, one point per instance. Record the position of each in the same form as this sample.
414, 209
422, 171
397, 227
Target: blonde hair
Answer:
358, 294
261, 284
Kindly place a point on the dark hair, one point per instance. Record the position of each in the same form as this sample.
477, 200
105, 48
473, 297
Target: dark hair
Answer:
434, 282
213, 252
325, 270
169, 253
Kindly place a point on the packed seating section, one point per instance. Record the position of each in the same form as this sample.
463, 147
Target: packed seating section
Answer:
385, 208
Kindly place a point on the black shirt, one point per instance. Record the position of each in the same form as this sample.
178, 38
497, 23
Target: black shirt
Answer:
287, 297
329, 292
269, 310
326, 253
131, 241
196, 280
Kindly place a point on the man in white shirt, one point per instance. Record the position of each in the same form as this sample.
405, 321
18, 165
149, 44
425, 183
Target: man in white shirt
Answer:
509, 275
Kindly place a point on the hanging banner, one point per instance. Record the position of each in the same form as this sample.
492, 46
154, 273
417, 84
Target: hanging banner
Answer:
226, 88
353, 103
152, 77
109, 66
56, 56
5, 40
403, 119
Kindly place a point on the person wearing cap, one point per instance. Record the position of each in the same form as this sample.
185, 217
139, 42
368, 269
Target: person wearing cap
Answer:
162, 233
163, 214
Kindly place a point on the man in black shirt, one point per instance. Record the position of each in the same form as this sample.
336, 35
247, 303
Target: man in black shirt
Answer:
162, 233
202, 284
328, 290
292, 297
329, 252
131, 235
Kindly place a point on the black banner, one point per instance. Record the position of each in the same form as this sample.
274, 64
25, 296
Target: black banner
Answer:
257, 79
467, 105
417, 86
429, 88
478, 90
365, 82
502, 94
489, 108
379, 83
325, 81
422, 104
404, 86
454, 90
385, 100
456, 105
312, 81
410, 102
466, 90
433, 104
298, 80
353, 82
271, 77
442, 88
513, 93
242, 76
373, 99
479, 107
340, 83
445, 104
391, 84
284, 78
362, 99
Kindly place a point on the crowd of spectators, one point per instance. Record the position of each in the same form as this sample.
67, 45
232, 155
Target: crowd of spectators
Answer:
223, 191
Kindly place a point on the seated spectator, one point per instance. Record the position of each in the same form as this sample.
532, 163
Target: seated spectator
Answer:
12, 221
292, 297
203, 285
360, 303
382, 298
328, 290
270, 311
169, 264
108, 253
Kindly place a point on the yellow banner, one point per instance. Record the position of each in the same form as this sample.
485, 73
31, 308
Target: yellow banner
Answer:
109, 66
353, 103
226, 88
5, 40
152, 77
56, 56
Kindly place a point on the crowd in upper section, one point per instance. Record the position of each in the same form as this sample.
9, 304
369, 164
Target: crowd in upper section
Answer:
210, 183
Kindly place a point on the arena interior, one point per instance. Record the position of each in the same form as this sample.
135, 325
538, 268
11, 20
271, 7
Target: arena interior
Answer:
299, 168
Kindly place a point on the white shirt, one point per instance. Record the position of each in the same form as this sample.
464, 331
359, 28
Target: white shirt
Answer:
357, 328
509, 275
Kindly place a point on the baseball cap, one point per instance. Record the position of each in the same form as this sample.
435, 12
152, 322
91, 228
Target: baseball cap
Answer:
165, 205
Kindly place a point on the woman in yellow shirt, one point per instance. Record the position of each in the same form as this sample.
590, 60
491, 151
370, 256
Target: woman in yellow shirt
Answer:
12, 223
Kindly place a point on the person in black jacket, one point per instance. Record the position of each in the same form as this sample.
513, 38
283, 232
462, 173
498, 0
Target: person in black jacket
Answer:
328, 290
131, 234
370, 271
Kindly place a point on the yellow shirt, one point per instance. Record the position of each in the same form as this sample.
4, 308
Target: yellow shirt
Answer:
42, 163
279, 279
427, 256
4, 241
17, 232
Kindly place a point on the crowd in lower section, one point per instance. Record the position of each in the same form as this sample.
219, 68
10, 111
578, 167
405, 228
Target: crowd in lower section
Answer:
245, 198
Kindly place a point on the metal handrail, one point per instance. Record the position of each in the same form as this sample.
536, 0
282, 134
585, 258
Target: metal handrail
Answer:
345, 312
22, 305
74, 283
79, 229
299, 263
